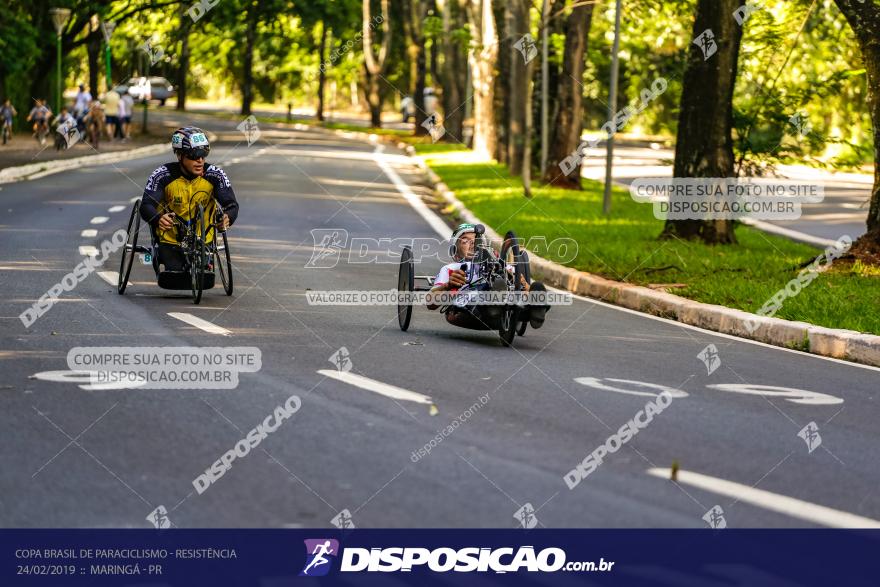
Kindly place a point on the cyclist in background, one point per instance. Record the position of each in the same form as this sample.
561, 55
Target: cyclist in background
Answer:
40, 114
7, 112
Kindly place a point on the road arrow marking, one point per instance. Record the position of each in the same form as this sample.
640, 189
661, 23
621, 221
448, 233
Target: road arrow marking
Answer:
391, 391
790, 506
199, 323
111, 277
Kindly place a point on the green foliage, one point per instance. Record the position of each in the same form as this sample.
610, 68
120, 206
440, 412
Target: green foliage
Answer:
814, 75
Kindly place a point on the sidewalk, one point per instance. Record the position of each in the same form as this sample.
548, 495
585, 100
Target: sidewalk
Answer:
24, 148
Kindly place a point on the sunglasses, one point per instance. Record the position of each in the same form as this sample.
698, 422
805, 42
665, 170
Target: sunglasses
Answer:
197, 153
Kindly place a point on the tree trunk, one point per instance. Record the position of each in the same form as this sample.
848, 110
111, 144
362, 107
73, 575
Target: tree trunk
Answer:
864, 18
453, 78
93, 49
555, 26
482, 60
704, 146
567, 125
375, 65
374, 99
502, 13
247, 87
518, 89
322, 73
183, 62
417, 15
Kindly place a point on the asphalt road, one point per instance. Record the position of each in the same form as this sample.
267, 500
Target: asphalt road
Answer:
76, 457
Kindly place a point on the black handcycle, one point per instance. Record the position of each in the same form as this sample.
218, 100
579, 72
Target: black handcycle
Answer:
204, 246
483, 271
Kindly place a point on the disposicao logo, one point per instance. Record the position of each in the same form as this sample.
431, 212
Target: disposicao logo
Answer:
319, 554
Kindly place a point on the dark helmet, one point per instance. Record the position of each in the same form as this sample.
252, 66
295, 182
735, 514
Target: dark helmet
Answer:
190, 141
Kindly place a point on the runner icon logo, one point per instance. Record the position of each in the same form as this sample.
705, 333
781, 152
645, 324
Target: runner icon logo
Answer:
715, 518
159, 518
810, 435
319, 554
343, 520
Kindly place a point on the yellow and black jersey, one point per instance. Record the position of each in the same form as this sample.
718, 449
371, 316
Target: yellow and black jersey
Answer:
169, 190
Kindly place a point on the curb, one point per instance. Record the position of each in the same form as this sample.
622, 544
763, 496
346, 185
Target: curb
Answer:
22, 172
829, 342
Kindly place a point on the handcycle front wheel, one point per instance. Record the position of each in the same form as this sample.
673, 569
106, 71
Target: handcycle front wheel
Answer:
510, 314
223, 260
197, 257
526, 272
405, 285
130, 248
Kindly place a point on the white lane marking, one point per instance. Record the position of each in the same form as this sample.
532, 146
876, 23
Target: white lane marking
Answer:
796, 235
134, 199
99, 220
89, 233
88, 251
377, 386
116, 208
416, 202
84, 380
111, 277
789, 394
782, 504
596, 383
199, 323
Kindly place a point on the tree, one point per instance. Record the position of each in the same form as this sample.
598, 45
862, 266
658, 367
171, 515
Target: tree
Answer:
247, 76
183, 59
453, 79
375, 65
482, 60
417, 12
565, 131
864, 18
704, 145
518, 25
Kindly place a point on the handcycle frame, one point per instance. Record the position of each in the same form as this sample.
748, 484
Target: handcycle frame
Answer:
197, 247
484, 268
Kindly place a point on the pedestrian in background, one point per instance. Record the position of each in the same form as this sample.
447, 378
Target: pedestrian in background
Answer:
128, 102
111, 112
83, 98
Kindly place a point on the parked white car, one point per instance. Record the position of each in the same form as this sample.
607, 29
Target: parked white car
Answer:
152, 88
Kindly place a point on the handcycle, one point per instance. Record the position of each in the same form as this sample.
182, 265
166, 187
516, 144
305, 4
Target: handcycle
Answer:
204, 246
485, 268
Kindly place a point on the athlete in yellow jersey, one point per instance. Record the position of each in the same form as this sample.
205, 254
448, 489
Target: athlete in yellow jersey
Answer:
174, 191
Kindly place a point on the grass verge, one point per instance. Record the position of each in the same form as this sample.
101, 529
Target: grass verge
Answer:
624, 246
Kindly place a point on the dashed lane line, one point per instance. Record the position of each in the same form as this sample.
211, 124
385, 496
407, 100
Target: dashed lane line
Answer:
385, 389
200, 323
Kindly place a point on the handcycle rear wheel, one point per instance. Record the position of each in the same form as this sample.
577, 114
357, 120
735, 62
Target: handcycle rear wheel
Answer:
130, 248
405, 285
